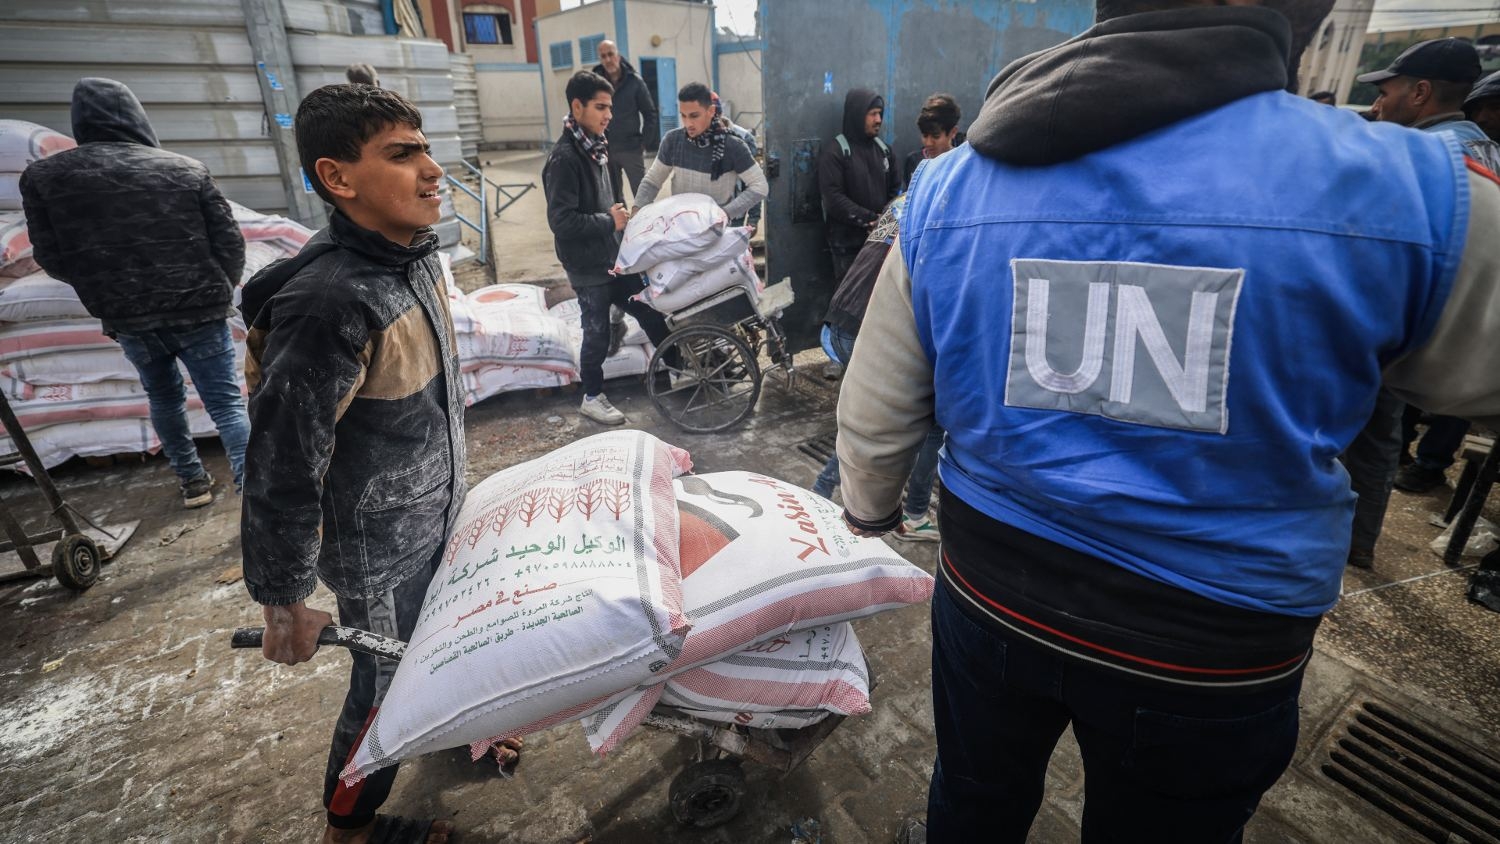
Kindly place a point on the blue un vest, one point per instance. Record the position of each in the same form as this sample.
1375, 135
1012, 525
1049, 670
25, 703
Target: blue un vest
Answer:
1155, 354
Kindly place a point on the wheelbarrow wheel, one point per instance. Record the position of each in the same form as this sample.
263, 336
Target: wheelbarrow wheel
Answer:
75, 561
704, 378
707, 794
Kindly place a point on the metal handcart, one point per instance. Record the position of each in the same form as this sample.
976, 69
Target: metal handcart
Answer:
706, 376
708, 792
76, 557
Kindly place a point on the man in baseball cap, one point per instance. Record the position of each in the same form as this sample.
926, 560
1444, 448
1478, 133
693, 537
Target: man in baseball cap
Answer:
1483, 105
1428, 80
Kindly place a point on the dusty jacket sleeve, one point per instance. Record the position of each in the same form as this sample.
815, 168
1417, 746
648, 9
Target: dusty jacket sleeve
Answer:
655, 177
836, 202
564, 217
886, 402
1454, 372
224, 237
45, 249
308, 372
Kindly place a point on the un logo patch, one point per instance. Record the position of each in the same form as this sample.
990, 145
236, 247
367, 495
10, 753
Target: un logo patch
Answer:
1141, 343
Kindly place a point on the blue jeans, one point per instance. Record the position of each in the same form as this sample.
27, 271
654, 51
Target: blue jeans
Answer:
923, 473
207, 350
1161, 763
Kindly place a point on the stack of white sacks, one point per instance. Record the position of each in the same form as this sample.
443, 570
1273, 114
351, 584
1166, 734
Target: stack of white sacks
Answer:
687, 251
76, 394
601, 580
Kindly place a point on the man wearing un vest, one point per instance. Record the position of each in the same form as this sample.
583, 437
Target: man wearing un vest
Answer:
1149, 333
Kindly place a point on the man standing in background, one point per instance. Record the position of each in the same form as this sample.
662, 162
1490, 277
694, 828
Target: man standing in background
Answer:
634, 125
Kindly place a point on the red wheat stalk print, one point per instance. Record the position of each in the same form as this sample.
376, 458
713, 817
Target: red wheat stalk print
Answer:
531, 506
498, 517
617, 498
589, 499
559, 502
473, 531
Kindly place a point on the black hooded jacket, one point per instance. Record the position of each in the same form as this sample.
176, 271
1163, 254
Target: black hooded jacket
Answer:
857, 186
355, 467
634, 124
143, 235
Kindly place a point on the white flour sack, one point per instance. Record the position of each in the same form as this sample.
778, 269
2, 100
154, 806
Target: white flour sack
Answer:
789, 681
761, 558
669, 275
39, 297
675, 227
737, 271
559, 586
22, 142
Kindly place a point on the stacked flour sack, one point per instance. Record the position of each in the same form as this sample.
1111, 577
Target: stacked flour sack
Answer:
601, 580
631, 359
70, 386
685, 248
508, 340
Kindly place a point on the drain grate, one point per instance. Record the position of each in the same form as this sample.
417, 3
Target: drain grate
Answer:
819, 448
1438, 786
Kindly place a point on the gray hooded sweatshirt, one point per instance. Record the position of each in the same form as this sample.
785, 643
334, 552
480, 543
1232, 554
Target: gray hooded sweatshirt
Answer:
143, 235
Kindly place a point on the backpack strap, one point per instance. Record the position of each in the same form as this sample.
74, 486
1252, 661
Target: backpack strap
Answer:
843, 143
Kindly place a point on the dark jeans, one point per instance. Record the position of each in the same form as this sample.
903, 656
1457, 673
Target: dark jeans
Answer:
593, 305
1372, 460
627, 162
923, 472
392, 614
1161, 763
1445, 435
207, 350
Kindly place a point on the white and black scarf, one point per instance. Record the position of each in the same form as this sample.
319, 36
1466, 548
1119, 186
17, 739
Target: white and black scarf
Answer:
595, 148
715, 135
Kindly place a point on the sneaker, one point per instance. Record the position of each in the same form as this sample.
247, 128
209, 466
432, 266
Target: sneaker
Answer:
833, 371
1418, 479
917, 529
198, 492
1362, 558
600, 410
913, 831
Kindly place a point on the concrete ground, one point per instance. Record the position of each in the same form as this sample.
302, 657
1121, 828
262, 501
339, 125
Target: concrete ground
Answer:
124, 715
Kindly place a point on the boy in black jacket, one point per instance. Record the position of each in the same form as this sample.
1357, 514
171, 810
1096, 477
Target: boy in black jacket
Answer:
355, 468
586, 217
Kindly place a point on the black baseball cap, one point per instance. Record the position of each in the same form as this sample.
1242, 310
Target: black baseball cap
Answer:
1448, 59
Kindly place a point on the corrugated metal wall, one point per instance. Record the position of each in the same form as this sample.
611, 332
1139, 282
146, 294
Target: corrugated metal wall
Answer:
190, 63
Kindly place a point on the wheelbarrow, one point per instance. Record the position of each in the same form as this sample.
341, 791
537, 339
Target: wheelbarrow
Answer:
705, 794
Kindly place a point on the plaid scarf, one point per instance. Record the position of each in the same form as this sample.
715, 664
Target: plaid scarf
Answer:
716, 134
595, 148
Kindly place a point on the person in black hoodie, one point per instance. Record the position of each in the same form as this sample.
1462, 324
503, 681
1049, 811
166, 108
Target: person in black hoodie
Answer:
857, 176
355, 469
634, 126
586, 218
150, 245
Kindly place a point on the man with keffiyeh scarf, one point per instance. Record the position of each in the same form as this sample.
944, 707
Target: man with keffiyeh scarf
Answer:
586, 218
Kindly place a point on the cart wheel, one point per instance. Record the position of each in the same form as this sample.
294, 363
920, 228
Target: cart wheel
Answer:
712, 382
707, 794
75, 561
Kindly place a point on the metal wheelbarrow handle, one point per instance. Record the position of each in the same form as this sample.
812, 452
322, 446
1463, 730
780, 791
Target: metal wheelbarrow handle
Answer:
344, 637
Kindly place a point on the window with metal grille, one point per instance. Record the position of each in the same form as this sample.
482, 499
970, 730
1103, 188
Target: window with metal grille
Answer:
588, 48
487, 28
562, 54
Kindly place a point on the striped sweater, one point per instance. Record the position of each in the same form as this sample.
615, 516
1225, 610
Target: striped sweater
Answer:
689, 166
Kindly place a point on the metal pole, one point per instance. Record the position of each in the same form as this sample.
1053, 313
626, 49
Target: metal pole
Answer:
278, 91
